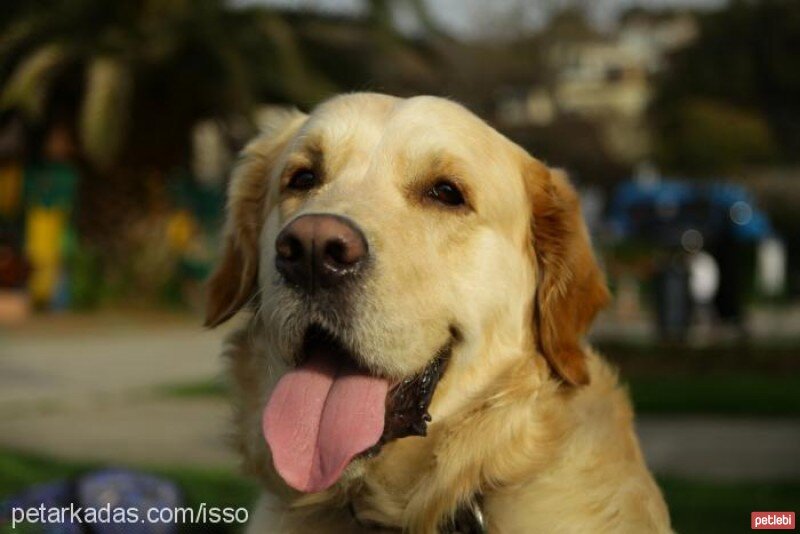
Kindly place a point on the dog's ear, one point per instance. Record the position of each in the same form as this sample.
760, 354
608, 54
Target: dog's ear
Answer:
571, 288
234, 282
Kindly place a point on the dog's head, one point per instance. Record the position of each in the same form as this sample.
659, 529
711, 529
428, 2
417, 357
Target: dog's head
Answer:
386, 242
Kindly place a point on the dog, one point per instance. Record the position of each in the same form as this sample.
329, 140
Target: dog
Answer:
418, 287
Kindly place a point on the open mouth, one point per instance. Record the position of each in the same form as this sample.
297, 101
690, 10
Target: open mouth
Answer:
330, 409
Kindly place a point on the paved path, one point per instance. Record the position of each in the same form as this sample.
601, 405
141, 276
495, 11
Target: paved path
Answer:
722, 448
88, 389
144, 431
91, 388
73, 358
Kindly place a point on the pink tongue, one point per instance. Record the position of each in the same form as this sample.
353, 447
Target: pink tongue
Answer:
319, 417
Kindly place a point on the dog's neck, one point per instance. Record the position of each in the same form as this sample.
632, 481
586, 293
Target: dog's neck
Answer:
385, 492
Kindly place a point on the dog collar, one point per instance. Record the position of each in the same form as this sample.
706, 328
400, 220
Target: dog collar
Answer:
469, 519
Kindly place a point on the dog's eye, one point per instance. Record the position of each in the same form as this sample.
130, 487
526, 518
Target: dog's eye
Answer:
303, 180
446, 193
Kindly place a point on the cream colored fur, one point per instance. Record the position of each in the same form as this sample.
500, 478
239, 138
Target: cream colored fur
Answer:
526, 415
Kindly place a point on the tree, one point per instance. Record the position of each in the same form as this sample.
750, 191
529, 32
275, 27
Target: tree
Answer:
139, 73
745, 70
129, 79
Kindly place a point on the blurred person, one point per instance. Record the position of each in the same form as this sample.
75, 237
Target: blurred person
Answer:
50, 189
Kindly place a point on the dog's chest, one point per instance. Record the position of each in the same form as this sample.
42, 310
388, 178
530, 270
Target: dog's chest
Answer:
386, 498
390, 480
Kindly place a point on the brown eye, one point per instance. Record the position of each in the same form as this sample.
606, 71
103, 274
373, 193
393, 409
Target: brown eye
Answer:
446, 193
303, 180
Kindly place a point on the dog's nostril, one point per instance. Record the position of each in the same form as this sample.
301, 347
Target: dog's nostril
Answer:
338, 251
289, 248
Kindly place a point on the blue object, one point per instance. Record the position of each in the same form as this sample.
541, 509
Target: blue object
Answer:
50, 495
663, 210
114, 491
129, 490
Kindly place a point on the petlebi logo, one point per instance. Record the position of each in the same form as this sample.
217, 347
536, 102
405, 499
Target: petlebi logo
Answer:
772, 521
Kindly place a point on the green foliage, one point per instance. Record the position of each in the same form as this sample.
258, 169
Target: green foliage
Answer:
27, 87
153, 67
718, 394
104, 117
86, 282
709, 136
775, 356
133, 77
732, 378
138, 74
730, 98
206, 388
723, 507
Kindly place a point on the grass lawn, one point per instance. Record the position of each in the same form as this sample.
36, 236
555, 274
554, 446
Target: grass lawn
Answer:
725, 379
718, 394
202, 388
706, 507
696, 507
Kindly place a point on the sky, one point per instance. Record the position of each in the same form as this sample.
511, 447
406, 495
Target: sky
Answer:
471, 18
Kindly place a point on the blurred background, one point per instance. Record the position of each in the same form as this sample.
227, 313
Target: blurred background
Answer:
678, 120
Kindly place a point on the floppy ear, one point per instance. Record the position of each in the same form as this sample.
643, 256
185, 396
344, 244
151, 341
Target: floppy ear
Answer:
234, 282
571, 288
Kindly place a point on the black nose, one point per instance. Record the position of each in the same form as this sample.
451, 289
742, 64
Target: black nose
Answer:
319, 251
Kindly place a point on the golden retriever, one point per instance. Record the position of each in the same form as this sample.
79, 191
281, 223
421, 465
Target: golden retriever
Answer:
419, 286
